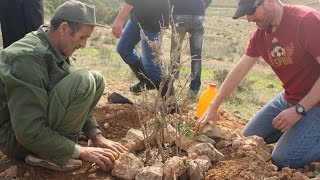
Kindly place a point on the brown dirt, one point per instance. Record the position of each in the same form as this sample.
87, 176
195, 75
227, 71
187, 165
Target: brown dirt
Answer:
120, 118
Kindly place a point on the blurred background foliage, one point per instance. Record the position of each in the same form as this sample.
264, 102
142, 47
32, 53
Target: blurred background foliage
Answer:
106, 10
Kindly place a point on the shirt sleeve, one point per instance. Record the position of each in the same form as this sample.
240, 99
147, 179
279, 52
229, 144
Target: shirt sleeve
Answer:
251, 49
310, 34
131, 2
27, 101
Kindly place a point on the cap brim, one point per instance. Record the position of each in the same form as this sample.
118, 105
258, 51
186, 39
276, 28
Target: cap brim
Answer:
240, 12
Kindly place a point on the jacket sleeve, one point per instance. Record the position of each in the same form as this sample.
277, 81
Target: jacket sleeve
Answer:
91, 127
27, 101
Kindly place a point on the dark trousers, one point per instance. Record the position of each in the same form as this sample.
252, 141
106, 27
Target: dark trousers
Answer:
19, 17
194, 26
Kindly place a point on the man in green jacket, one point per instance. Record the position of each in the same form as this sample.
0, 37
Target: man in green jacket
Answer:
45, 103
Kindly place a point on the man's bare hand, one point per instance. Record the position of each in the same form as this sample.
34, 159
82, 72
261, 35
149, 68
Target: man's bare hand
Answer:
100, 141
101, 156
210, 115
286, 119
117, 28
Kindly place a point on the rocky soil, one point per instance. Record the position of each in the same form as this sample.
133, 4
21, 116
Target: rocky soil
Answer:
222, 153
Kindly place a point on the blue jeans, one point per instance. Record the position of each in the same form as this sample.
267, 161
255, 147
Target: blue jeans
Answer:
131, 36
298, 146
194, 26
148, 57
127, 43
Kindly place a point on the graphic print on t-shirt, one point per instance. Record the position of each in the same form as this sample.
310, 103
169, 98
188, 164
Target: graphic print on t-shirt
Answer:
280, 55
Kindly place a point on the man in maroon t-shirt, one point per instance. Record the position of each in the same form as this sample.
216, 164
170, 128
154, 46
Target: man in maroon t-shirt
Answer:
287, 38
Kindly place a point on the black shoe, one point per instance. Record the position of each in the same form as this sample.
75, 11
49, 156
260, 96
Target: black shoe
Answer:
144, 80
140, 86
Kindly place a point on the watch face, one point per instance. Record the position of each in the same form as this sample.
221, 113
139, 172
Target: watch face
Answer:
300, 109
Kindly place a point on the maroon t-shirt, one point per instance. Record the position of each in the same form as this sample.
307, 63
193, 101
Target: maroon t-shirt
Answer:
291, 50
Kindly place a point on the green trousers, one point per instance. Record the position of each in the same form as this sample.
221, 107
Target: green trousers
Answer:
70, 109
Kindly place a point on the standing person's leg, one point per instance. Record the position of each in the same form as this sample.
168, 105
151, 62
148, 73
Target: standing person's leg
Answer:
300, 145
126, 48
154, 68
127, 43
177, 35
148, 56
12, 22
196, 39
33, 15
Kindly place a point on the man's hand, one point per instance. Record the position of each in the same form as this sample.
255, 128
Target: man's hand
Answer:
100, 141
117, 28
286, 119
101, 156
210, 115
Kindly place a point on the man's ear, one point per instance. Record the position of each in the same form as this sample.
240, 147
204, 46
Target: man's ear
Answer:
63, 28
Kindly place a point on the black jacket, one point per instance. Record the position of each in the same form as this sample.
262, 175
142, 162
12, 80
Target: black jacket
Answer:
151, 14
190, 7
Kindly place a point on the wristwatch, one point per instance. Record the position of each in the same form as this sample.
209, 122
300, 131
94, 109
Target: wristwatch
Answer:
300, 109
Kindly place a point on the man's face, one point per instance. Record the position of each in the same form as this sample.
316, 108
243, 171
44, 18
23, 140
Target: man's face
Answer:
71, 41
262, 17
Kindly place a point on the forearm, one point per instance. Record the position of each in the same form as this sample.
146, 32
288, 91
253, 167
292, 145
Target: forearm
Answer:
232, 80
124, 12
313, 97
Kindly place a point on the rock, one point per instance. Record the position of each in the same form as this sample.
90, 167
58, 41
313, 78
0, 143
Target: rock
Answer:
299, 176
174, 167
194, 171
137, 137
203, 162
237, 143
106, 126
205, 139
315, 166
129, 144
258, 142
206, 149
288, 171
150, 173
184, 142
170, 134
11, 172
196, 168
127, 166
247, 147
193, 156
27, 174
310, 174
254, 146
211, 131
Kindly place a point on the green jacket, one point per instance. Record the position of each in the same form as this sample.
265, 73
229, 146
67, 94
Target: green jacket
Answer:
29, 69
